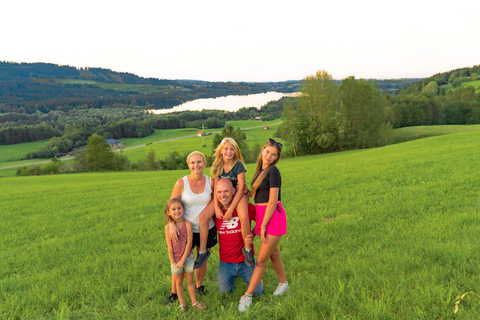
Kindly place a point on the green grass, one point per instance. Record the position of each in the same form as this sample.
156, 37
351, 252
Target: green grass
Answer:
143, 88
163, 149
418, 132
385, 233
475, 84
13, 152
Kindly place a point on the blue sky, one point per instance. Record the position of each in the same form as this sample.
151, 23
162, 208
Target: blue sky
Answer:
248, 40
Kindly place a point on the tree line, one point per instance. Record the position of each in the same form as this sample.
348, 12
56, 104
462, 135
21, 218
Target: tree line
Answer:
97, 155
445, 98
351, 113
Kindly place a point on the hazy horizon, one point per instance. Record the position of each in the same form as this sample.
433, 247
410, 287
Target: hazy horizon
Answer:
266, 41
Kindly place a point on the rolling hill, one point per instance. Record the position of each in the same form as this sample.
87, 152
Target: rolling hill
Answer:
387, 233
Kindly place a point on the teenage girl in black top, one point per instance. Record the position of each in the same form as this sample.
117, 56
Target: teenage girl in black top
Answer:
271, 221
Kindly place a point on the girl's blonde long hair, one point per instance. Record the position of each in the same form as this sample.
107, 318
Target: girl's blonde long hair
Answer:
260, 175
167, 208
217, 166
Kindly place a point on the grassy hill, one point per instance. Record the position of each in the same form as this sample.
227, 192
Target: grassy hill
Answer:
386, 233
10, 154
463, 77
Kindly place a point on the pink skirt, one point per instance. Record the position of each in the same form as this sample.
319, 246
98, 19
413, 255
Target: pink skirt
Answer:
277, 226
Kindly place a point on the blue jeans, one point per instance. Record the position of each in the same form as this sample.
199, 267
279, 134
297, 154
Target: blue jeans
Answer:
227, 273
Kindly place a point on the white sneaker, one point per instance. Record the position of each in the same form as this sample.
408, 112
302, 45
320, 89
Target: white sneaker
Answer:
245, 302
282, 287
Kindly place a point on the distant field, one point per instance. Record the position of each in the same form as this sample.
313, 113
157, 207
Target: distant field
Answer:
163, 149
475, 84
382, 233
145, 88
418, 132
13, 152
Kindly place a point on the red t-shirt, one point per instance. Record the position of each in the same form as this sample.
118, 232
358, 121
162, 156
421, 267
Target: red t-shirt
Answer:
230, 236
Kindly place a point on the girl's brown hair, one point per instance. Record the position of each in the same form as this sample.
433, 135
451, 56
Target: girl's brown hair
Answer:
260, 175
217, 166
167, 208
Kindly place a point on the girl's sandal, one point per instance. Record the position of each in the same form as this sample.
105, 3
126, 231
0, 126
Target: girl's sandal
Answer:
198, 305
182, 308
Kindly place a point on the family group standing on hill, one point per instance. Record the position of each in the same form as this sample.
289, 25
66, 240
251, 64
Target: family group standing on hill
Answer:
199, 208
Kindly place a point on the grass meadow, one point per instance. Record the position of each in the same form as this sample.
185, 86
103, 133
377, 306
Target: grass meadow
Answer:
9, 154
163, 149
14, 152
385, 233
475, 84
143, 88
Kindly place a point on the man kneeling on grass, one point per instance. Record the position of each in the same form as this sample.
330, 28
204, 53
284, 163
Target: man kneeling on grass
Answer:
232, 261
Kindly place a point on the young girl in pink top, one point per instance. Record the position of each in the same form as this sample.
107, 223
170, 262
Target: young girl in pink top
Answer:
180, 252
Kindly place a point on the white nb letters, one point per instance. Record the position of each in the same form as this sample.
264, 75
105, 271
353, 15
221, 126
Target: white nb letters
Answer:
231, 224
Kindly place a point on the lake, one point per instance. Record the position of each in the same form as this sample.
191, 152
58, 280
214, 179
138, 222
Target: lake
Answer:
228, 103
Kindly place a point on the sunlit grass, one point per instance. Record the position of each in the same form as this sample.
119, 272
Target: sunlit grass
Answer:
385, 233
14, 152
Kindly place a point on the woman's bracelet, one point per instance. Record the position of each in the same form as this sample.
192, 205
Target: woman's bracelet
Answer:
263, 227
230, 210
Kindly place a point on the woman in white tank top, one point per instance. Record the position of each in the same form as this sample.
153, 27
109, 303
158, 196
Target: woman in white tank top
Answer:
195, 190
196, 202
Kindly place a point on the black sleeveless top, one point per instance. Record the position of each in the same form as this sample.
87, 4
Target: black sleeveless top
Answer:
273, 179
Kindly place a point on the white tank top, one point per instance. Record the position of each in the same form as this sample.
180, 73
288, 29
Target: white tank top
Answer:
195, 203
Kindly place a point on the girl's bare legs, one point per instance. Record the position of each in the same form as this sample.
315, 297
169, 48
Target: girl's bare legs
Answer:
200, 273
264, 253
191, 287
205, 216
202, 254
179, 284
242, 211
174, 285
277, 265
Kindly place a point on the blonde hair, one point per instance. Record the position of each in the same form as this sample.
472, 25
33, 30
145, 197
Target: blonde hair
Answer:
260, 175
167, 208
217, 166
196, 153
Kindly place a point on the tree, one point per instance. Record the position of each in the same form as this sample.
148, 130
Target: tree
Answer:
431, 89
150, 161
316, 126
98, 154
363, 106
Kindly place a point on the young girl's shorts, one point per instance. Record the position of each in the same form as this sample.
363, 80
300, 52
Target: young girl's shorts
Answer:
187, 266
277, 225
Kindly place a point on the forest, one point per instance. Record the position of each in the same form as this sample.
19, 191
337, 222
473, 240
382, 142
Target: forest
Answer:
353, 114
67, 105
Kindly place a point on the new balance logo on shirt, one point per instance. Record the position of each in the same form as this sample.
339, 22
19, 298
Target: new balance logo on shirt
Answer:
228, 225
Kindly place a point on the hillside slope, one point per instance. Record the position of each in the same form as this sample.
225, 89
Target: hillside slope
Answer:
385, 233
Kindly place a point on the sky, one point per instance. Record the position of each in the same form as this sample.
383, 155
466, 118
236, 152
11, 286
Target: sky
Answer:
245, 40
